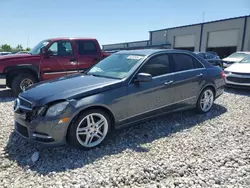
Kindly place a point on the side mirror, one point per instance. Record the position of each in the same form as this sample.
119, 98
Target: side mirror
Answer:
143, 77
42, 50
46, 53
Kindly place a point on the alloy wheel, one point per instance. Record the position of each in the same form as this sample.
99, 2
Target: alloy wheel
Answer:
92, 130
26, 83
207, 100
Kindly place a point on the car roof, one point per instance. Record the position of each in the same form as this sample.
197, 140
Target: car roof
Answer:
70, 38
200, 52
208, 52
148, 52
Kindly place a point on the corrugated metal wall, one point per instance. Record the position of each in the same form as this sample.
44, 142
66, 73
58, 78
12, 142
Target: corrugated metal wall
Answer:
223, 26
125, 45
199, 36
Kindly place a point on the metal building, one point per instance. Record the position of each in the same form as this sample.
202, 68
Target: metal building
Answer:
222, 36
133, 45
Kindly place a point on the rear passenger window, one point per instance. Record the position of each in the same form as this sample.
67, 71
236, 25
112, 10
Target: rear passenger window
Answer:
157, 65
197, 64
86, 47
185, 62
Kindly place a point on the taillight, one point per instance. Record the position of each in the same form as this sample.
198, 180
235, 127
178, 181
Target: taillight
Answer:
223, 75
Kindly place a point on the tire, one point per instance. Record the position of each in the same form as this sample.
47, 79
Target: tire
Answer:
91, 131
208, 102
19, 80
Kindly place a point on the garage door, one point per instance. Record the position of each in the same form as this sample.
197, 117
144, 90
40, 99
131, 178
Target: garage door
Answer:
223, 38
184, 41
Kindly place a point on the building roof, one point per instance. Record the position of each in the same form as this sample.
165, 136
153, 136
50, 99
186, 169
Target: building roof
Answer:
126, 42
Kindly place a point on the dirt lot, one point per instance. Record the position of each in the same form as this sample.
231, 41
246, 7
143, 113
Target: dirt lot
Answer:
179, 150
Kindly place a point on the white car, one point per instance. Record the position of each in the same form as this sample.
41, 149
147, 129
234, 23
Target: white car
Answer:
238, 74
234, 58
5, 53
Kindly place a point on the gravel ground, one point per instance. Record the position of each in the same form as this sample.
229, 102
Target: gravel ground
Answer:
179, 150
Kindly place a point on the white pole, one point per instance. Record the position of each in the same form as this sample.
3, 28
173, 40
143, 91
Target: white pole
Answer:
28, 41
203, 17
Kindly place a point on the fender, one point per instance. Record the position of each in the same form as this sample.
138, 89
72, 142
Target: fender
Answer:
207, 85
30, 67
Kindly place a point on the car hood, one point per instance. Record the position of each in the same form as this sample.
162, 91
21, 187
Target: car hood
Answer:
239, 68
232, 59
15, 56
68, 87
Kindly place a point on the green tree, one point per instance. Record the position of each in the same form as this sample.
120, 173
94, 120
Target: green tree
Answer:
27, 49
19, 48
5, 48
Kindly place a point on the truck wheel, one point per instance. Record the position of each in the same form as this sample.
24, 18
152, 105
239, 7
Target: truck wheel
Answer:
21, 82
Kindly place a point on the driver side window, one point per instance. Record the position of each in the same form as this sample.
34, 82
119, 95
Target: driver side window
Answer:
61, 48
157, 65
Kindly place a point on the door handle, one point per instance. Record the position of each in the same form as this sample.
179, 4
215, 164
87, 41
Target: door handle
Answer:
200, 75
168, 82
72, 60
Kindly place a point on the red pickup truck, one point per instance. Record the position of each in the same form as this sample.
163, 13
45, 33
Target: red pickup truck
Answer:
49, 59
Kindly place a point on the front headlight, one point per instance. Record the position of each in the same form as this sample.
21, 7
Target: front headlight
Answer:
56, 109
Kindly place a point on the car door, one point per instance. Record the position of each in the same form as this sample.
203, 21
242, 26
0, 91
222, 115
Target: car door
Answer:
88, 54
189, 75
58, 61
148, 98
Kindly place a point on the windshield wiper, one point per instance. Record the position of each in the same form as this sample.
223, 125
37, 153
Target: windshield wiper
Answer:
102, 76
97, 75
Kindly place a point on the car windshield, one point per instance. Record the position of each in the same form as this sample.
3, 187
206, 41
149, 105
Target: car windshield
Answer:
245, 60
116, 66
237, 55
36, 49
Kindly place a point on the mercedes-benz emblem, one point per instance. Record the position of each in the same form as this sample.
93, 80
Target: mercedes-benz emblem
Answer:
16, 104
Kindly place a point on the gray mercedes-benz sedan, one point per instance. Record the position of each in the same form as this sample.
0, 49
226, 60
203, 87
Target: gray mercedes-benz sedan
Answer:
125, 88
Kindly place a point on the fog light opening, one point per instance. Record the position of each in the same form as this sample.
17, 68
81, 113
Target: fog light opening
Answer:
39, 135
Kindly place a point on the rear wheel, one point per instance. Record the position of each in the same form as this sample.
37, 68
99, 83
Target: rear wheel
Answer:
21, 82
205, 101
89, 130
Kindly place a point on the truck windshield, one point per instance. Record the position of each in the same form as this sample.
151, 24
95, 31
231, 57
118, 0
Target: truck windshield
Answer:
116, 66
36, 49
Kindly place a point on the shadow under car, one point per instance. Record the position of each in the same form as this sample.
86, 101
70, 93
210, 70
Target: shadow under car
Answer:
59, 159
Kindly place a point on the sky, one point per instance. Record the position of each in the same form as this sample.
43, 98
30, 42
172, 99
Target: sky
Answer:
27, 22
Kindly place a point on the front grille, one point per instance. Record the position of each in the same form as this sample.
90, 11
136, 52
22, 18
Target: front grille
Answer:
25, 103
26, 109
22, 130
239, 80
229, 62
242, 74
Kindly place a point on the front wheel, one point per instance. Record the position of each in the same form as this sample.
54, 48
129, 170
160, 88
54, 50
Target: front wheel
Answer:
21, 82
89, 130
205, 100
